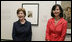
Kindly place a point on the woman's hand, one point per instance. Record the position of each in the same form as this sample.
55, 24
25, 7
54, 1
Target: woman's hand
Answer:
47, 40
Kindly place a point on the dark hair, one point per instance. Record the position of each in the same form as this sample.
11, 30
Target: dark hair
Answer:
54, 7
21, 9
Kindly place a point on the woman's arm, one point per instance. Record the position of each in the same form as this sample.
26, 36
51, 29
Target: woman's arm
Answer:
13, 32
47, 32
63, 32
30, 33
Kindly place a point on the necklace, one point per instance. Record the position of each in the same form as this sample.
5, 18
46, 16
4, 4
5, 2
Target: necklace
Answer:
56, 20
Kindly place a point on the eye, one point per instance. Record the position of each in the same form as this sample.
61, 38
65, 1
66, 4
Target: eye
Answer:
21, 13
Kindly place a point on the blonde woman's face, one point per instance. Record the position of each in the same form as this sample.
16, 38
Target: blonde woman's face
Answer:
21, 15
56, 12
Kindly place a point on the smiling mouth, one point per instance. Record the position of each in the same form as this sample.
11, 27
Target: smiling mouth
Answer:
20, 16
56, 13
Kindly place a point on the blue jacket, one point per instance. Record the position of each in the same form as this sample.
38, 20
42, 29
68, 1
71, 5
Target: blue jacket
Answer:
22, 32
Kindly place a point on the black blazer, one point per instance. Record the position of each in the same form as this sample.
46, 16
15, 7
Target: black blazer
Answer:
22, 32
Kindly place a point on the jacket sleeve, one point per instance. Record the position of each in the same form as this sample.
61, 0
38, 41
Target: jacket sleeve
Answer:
13, 32
30, 33
63, 32
47, 31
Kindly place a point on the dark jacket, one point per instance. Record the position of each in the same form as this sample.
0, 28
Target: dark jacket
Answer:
22, 32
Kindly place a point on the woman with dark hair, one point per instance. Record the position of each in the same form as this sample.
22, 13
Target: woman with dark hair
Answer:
57, 25
21, 28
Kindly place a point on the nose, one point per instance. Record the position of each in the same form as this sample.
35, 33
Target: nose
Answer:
55, 10
20, 14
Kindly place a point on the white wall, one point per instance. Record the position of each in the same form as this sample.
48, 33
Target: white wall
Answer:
8, 16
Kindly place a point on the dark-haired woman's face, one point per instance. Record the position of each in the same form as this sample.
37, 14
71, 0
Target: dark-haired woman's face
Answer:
56, 12
21, 15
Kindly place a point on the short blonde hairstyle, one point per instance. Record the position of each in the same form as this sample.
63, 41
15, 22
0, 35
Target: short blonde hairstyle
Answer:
21, 9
